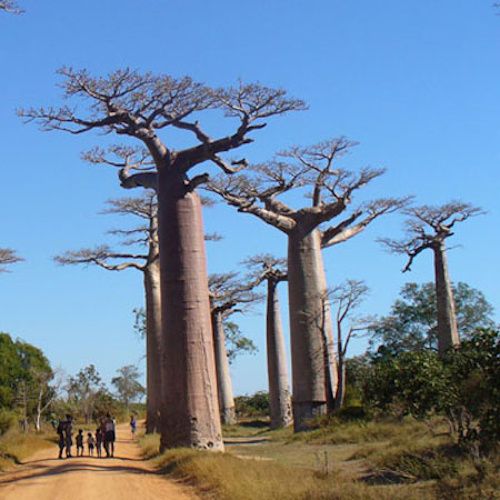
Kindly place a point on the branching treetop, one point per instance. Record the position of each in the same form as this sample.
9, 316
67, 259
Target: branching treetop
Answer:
428, 226
329, 187
227, 290
141, 105
10, 6
347, 297
8, 256
266, 267
103, 256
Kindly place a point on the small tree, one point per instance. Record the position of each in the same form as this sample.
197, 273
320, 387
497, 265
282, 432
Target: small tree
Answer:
347, 297
83, 391
148, 263
127, 385
7, 257
227, 292
32, 383
141, 107
428, 227
330, 188
272, 270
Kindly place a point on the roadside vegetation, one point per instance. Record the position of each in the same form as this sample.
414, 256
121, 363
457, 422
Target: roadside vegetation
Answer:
414, 426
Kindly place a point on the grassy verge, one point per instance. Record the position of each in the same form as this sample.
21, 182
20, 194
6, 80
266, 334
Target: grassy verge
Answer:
16, 446
375, 460
226, 477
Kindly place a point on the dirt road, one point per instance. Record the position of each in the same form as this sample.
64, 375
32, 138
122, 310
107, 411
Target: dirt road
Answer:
128, 476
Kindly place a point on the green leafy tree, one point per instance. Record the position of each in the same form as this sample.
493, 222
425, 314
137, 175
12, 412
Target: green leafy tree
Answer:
236, 342
83, 391
10, 370
127, 385
463, 386
412, 322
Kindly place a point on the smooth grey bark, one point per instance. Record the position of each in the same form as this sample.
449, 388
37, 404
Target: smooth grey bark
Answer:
428, 227
306, 294
279, 389
330, 358
191, 412
224, 384
141, 106
446, 317
153, 345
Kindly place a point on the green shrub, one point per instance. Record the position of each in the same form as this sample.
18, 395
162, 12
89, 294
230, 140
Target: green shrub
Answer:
256, 405
8, 421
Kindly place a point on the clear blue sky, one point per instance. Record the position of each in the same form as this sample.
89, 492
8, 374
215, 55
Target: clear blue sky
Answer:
416, 82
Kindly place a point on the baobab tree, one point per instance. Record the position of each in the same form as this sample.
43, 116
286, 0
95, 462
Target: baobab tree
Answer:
148, 263
7, 257
228, 295
346, 298
140, 107
330, 188
428, 227
272, 270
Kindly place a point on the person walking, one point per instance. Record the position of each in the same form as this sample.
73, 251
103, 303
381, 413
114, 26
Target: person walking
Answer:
79, 443
68, 435
109, 436
61, 441
133, 425
98, 442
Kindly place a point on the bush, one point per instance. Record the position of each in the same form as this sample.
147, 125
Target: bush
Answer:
256, 405
464, 386
8, 421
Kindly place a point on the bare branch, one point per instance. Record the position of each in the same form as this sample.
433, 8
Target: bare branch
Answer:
266, 267
227, 291
349, 227
428, 226
101, 256
11, 7
7, 257
138, 105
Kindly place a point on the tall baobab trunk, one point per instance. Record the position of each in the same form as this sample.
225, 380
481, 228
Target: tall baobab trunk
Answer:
447, 320
306, 304
153, 345
224, 385
279, 390
189, 413
330, 361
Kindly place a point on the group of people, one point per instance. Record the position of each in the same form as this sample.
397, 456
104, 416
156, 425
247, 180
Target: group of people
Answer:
104, 437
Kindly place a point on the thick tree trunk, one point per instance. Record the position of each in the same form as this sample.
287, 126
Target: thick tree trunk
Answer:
306, 303
153, 346
224, 385
447, 321
279, 389
330, 361
190, 412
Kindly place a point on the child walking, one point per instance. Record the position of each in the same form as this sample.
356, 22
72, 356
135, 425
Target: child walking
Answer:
98, 441
90, 444
79, 443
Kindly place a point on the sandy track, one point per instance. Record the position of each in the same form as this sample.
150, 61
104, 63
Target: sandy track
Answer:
128, 476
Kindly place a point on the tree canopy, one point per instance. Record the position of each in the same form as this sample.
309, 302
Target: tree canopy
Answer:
412, 322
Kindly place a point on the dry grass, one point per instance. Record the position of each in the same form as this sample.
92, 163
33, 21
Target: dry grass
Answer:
226, 477
375, 460
150, 445
16, 446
